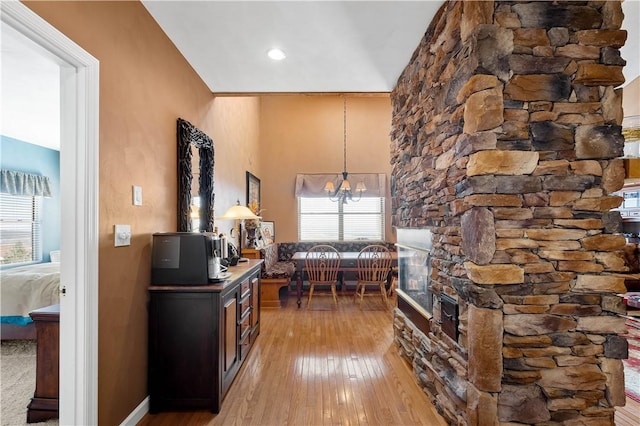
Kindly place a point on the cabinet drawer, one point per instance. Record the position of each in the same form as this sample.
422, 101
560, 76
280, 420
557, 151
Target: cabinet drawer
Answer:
245, 326
245, 288
245, 305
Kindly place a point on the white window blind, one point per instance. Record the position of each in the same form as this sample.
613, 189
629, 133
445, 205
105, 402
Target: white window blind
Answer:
20, 229
320, 219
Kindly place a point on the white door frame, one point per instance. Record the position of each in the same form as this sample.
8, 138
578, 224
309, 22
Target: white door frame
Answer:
79, 204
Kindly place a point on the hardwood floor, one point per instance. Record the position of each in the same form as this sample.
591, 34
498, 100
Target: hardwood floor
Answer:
326, 366
320, 366
629, 415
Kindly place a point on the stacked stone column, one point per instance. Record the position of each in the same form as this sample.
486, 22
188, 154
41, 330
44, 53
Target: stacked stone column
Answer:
506, 137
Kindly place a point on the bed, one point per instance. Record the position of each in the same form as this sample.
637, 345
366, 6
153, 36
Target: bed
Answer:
24, 289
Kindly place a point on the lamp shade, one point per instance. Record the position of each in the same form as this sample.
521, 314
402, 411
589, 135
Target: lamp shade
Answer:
361, 187
239, 212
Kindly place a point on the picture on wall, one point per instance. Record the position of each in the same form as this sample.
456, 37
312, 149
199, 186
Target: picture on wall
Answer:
253, 193
268, 230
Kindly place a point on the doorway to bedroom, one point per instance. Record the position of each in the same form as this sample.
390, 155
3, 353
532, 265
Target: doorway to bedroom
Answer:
30, 215
76, 83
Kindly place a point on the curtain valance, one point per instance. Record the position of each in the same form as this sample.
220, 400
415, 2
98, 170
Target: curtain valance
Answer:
20, 183
312, 185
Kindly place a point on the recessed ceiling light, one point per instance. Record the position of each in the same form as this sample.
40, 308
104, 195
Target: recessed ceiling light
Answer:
276, 54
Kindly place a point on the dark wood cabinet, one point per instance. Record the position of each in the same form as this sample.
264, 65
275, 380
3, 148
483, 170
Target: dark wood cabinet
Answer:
230, 350
198, 338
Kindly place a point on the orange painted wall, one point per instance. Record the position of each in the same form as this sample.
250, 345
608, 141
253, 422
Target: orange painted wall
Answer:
304, 134
145, 85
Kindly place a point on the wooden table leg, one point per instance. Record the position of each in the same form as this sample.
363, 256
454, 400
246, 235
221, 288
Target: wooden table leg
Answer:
299, 287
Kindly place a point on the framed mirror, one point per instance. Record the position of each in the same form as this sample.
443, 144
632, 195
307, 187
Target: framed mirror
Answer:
195, 196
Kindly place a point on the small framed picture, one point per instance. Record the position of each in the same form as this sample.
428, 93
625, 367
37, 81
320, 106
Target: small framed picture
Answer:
268, 230
253, 191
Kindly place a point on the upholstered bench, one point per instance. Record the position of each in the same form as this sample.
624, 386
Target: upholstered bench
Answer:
275, 274
286, 250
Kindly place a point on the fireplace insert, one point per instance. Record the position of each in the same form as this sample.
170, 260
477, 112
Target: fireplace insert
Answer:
414, 269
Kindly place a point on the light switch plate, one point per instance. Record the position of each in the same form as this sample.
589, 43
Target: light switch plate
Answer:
122, 235
137, 195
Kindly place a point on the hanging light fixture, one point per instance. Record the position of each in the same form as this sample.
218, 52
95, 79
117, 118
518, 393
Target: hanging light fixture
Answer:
343, 194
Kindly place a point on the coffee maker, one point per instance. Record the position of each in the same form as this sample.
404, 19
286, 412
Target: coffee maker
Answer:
218, 249
186, 258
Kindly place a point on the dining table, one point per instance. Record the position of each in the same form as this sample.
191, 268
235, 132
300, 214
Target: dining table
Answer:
348, 263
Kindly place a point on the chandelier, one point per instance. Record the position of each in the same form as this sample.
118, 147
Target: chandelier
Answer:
344, 194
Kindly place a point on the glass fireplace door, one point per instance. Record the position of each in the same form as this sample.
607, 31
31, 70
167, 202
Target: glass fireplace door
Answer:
414, 267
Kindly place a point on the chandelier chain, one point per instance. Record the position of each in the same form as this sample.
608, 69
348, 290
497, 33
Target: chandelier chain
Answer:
344, 127
343, 193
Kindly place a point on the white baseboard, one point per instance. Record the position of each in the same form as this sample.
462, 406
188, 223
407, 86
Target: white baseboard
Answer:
137, 414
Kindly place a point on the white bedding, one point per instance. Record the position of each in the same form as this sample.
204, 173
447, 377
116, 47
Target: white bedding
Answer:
30, 287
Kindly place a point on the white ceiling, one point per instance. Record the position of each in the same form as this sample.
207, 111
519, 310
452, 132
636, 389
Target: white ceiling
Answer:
331, 46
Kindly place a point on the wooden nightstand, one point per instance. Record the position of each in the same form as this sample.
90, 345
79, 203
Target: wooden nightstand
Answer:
44, 404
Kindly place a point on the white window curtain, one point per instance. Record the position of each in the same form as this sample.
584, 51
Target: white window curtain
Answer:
20, 183
312, 185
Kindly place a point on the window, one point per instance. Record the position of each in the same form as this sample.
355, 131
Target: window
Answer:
320, 219
20, 234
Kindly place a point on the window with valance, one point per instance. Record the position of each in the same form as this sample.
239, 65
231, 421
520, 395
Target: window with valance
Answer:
321, 219
21, 215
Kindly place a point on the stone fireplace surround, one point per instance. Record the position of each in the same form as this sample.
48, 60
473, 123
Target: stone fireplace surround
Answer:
505, 143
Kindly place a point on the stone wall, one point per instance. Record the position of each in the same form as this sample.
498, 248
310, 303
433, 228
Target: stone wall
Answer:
506, 132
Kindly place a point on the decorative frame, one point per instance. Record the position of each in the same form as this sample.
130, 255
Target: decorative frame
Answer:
190, 136
253, 190
268, 231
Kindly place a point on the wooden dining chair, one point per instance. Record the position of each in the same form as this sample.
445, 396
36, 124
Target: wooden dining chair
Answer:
321, 264
374, 264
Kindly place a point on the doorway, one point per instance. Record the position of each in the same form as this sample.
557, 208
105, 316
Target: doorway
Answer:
79, 93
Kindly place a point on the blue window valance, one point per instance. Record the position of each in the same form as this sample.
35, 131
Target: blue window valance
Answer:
20, 183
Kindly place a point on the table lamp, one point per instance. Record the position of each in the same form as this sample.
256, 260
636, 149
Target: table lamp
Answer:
239, 213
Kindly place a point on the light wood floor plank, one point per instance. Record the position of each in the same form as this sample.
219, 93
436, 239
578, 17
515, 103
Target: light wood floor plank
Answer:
629, 415
324, 366
320, 366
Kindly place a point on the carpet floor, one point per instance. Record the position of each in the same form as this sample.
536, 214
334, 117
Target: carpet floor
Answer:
17, 382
